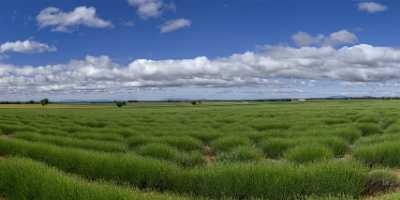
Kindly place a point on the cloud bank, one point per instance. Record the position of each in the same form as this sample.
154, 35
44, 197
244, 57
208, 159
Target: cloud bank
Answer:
174, 25
338, 38
65, 21
371, 7
27, 46
355, 64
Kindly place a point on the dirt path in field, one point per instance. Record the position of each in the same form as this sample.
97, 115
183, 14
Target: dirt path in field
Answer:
7, 135
2, 157
396, 172
209, 155
380, 196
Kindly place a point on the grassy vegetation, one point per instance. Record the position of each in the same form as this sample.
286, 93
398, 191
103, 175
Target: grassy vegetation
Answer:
231, 180
139, 171
273, 180
383, 153
229, 142
73, 142
332, 150
309, 153
26, 179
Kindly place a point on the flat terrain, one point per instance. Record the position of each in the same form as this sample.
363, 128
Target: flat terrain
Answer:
216, 150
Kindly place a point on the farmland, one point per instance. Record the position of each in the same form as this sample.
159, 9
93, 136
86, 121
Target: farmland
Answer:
330, 150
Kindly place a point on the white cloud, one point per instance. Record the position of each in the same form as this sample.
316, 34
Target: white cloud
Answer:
173, 25
27, 46
358, 63
338, 38
371, 7
305, 39
64, 21
341, 37
148, 8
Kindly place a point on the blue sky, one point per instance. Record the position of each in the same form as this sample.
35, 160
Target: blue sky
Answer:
157, 49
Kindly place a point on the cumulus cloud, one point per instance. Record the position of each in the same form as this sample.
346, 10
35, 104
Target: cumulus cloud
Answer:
371, 7
305, 39
27, 46
338, 38
361, 63
173, 25
148, 8
64, 21
341, 37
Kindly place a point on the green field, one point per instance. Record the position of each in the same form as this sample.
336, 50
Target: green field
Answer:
330, 150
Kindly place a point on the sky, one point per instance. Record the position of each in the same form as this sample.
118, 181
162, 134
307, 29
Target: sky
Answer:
198, 49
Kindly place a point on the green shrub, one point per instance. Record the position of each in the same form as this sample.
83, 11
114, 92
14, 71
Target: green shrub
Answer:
98, 136
182, 142
11, 129
137, 170
276, 147
309, 153
26, 179
350, 134
138, 140
160, 151
206, 137
384, 153
368, 118
387, 122
186, 143
375, 139
73, 128
337, 145
73, 142
84, 135
226, 143
92, 124
242, 154
393, 128
369, 128
263, 125
273, 180
170, 153
263, 180
334, 121
191, 159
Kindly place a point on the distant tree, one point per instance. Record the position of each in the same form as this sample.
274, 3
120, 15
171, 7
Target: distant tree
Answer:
196, 102
120, 103
44, 101
31, 102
